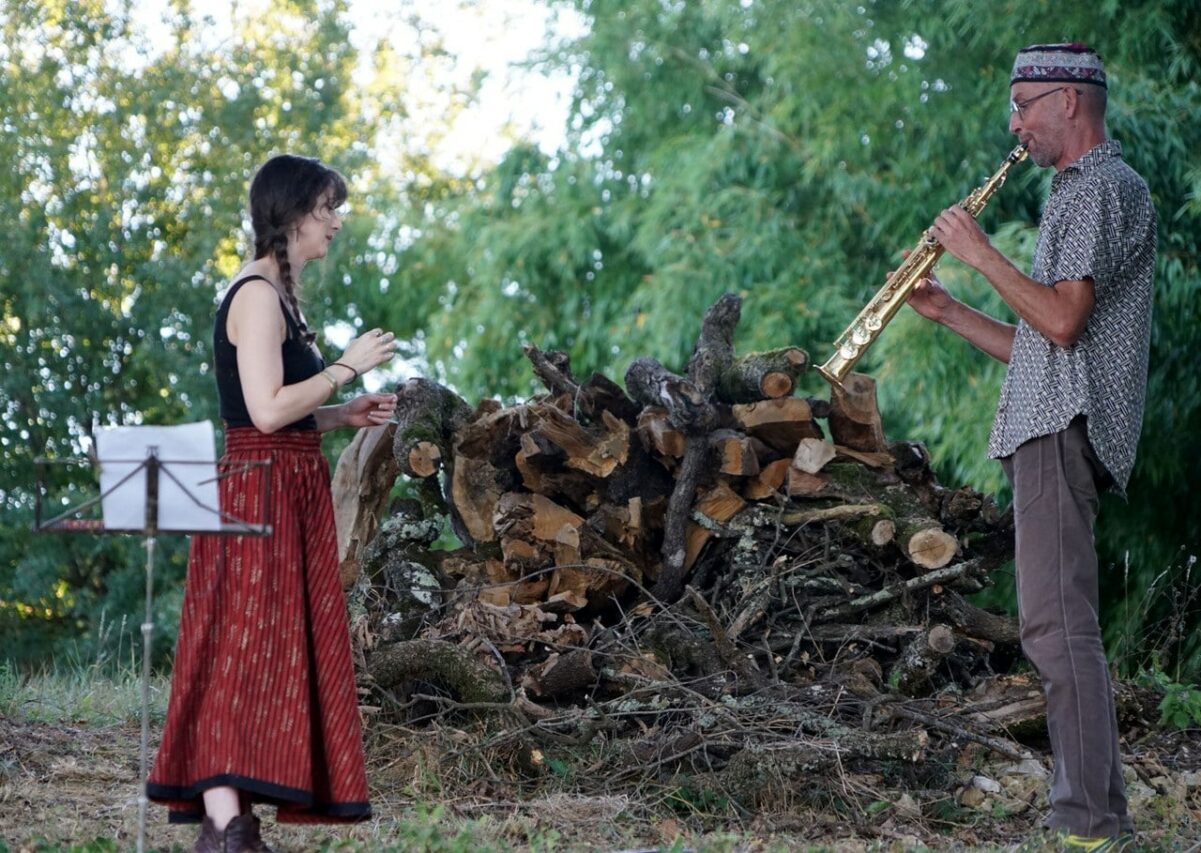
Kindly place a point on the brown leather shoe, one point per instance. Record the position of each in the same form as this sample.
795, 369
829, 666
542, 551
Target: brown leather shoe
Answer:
242, 835
210, 840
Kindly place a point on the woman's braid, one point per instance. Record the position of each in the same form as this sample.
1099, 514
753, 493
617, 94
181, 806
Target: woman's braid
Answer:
279, 246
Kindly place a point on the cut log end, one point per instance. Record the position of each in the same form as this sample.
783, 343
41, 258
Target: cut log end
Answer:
776, 385
941, 640
735, 455
762, 375
658, 435
883, 532
812, 454
770, 480
721, 503
932, 548
779, 423
425, 459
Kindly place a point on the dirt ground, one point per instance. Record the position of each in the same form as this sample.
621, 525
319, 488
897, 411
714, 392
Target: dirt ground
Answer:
62, 787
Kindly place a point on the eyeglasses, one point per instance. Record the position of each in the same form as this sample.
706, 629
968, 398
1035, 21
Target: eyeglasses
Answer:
1016, 107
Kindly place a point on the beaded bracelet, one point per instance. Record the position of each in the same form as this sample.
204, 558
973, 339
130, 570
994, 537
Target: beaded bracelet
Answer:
348, 367
329, 377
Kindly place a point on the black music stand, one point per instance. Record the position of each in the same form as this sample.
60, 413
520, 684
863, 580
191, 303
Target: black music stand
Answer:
153, 468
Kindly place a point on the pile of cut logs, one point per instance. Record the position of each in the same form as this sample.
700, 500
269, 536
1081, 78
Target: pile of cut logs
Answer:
709, 526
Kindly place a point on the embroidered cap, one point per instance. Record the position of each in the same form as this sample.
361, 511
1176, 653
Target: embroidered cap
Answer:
1058, 63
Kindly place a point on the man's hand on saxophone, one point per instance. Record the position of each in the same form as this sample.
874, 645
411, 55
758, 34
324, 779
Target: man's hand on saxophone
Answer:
1059, 312
934, 302
961, 235
929, 298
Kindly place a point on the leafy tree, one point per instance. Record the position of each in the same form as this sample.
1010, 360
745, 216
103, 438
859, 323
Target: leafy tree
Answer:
788, 152
785, 151
124, 198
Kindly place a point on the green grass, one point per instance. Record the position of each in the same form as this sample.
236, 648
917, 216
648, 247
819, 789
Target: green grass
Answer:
99, 687
81, 696
98, 845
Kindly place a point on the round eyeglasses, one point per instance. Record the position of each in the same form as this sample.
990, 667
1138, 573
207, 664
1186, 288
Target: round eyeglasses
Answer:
1018, 106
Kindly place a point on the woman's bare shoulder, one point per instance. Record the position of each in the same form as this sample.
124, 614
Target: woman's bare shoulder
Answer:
256, 305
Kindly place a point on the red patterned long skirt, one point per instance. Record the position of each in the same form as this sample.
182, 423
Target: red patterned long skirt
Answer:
262, 693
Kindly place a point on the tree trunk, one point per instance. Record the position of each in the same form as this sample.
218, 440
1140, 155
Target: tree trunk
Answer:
440, 663
780, 424
713, 354
912, 671
362, 482
762, 375
427, 414
974, 621
553, 368
854, 417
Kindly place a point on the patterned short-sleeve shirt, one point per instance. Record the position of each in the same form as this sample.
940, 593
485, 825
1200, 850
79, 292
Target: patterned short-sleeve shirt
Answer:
1098, 223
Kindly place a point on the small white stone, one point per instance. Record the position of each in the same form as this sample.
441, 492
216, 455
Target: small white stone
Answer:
1138, 790
1027, 767
988, 786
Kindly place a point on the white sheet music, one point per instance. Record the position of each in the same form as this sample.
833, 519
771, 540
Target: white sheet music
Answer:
193, 506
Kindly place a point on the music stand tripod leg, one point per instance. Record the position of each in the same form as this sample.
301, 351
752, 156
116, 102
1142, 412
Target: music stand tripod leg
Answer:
152, 470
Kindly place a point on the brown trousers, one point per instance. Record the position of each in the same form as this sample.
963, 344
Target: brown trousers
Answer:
1056, 479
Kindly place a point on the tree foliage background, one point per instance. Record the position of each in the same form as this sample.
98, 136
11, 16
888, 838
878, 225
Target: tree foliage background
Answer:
786, 151
124, 201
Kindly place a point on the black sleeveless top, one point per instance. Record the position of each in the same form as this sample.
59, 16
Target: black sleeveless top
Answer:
301, 361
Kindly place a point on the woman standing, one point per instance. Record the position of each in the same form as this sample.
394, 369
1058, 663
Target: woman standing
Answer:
263, 707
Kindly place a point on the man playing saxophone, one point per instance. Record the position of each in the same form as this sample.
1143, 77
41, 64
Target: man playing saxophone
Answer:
1071, 406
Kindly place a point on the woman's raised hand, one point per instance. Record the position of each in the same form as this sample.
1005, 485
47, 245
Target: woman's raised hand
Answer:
369, 410
369, 350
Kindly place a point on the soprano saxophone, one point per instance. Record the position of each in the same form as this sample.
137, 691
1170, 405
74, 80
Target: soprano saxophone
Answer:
866, 327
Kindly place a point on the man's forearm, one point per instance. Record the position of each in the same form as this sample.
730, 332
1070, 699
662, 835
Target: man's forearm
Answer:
987, 334
1058, 313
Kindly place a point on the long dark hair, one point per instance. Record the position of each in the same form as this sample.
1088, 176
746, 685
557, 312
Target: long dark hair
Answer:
286, 189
